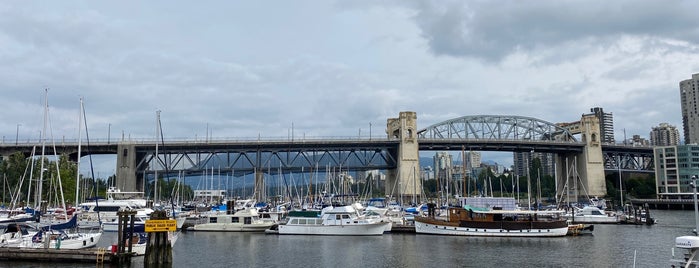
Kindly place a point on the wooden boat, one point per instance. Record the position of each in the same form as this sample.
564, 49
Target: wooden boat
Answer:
493, 222
580, 229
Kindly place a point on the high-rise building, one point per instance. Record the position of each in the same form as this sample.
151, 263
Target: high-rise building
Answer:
473, 159
636, 140
606, 124
442, 165
674, 168
689, 93
664, 135
523, 160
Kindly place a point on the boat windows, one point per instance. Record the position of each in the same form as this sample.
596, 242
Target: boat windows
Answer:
235, 220
106, 209
302, 221
213, 219
345, 216
248, 220
294, 221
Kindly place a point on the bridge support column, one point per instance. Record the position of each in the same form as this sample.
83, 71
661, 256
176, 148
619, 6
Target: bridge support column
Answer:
260, 186
127, 162
582, 175
592, 158
404, 181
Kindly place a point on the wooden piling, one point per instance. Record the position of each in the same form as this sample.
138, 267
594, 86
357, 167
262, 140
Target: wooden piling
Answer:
158, 248
124, 234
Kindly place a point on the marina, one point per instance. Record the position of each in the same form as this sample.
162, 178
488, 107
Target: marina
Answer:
608, 246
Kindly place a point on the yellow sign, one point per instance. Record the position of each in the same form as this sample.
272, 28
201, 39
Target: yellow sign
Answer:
161, 226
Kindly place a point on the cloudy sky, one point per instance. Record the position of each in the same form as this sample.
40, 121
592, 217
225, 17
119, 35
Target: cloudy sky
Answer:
333, 68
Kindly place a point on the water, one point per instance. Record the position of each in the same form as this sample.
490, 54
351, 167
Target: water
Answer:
610, 246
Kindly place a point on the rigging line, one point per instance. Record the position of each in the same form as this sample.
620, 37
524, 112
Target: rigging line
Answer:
58, 171
92, 169
167, 163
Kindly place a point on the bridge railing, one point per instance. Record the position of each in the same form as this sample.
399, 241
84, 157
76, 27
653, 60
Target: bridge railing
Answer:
32, 142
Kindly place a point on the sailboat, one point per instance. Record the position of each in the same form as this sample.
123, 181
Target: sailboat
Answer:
590, 213
58, 236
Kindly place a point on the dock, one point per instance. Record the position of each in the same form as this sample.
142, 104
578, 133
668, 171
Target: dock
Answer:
94, 255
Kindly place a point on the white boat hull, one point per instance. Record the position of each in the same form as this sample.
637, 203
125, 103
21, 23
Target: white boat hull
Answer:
357, 229
232, 227
593, 219
74, 241
424, 228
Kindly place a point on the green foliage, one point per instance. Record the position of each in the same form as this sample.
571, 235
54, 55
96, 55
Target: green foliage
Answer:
639, 186
17, 169
168, 189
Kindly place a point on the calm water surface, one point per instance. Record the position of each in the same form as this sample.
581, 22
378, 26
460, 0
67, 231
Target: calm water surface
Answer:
610, 246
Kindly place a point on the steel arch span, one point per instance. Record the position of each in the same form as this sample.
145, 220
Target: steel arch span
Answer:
497, 127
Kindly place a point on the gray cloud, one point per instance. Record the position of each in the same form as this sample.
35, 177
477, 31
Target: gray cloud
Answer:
493, 30
332, 69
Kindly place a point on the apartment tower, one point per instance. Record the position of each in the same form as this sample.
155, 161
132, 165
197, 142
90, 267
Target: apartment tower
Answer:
664, 135
689, 93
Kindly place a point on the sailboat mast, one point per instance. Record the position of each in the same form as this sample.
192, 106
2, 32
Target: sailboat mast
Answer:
31, 175
529, 183
463, 172
37, 200
156, 198
77, 176
538, 186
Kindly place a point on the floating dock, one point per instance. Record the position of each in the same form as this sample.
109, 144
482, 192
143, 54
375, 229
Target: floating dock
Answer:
94, 255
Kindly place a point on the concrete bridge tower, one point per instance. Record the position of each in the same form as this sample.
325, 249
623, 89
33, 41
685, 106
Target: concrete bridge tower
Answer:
583, 174
592, 158
404, 181
127, 162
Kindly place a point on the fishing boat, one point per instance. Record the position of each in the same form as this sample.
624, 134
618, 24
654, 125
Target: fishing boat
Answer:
471, 221
246, 220
342, 220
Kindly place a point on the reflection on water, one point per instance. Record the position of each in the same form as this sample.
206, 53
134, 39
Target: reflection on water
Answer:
610, 246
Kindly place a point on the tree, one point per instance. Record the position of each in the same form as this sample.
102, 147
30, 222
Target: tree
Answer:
12, 170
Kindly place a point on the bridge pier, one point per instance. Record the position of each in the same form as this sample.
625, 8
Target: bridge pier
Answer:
127, 168
259, 194
592, 158
582, 175
404, 181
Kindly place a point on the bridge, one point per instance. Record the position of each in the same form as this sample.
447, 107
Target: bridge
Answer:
398, 153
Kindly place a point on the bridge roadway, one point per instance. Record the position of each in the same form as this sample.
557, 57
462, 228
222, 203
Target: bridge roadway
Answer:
386, 146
